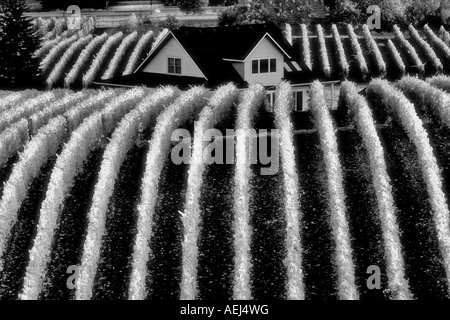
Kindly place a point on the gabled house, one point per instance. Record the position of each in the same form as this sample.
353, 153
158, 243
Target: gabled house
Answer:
213, 56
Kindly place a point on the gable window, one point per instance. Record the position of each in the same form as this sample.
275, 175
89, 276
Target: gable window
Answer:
174, 65
264, 65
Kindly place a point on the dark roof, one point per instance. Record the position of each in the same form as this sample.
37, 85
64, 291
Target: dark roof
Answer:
233, 42
209, 46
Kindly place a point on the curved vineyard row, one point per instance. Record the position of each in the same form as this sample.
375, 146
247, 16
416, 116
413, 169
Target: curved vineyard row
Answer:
395, 137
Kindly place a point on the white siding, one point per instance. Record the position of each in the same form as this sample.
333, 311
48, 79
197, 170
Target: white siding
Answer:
265, 49
174, 50
239, 66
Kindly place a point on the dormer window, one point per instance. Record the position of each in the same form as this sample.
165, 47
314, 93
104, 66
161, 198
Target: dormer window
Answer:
174, 65
264, 66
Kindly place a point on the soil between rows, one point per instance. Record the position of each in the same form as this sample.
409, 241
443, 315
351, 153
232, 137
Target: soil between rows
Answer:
22, 235
71, 230
114, 268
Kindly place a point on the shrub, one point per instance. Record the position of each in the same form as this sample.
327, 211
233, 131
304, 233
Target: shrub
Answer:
406, 114
339, 225
138, 53
69, 163
408, 48
25, 109
76, 115
306, 46
295, 287
342, 60
375, 50
397, 58
120, 143
218, 105
46, 47
36, 153
357, 51
323, 52
445, 36
171, 23
428, 98
442, 82
41, 118
440, 45
397, 283
59, 68
90, 75
83, 59
12, 139
430, 54
192, 6
184, 107
114, 65
251, 100
56, 53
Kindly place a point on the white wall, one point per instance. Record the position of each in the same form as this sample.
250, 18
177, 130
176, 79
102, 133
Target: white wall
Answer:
174, 50
265, 49
239, 66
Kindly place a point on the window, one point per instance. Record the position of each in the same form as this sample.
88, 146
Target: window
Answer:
297, 100
264, 65
300, 100
270, 101
174, 65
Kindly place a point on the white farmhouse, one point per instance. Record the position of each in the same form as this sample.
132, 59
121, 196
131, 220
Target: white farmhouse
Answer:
212, 56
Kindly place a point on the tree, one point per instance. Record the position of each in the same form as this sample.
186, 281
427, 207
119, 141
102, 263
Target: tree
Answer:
192, 6
278, 12
63, 4
18, 43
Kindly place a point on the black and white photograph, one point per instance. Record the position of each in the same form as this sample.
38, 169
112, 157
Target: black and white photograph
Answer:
225, 155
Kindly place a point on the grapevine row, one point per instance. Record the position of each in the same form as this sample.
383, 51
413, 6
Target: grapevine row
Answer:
219, 103
362, 65
413, 126
67, 166
56, 53
397, 58
295, 287
409, 48
35, 155
114, 65
247, 108
120, 143
323, 51
185, 107
397, 283
83, 59
58, 69
339, 225
138, 52
306, 46
90, 75
429, 52
442, 82
374, 48
441, 45
343, 64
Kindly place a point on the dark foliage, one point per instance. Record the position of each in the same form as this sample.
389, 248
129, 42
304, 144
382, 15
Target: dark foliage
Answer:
63, 4
18, 42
